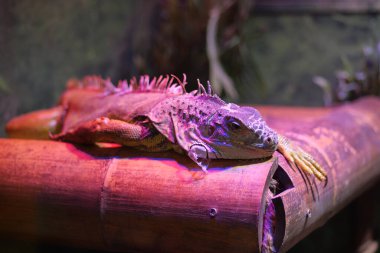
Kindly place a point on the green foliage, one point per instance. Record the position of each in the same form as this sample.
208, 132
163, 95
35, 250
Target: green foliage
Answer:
51, 41
4, 86
290, 49
352, 84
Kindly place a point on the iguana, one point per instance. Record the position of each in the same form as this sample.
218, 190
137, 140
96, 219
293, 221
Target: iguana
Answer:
158, 114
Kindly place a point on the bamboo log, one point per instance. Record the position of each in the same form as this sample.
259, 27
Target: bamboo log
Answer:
85, 197
346, 141
113, 198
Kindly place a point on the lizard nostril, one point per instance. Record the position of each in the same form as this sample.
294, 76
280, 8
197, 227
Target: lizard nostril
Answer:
270, 142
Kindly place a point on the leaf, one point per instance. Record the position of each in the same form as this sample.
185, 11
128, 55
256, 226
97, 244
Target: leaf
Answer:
347, 66
4, 86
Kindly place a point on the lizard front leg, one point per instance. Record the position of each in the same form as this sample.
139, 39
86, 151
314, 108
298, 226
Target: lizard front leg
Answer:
299, 157
104, 129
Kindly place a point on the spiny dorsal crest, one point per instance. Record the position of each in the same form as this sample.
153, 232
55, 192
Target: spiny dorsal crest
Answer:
171, 84
208, 93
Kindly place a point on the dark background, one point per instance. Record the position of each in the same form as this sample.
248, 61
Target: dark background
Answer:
272, 56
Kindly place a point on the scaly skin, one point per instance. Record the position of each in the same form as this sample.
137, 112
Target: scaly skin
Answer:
158, 115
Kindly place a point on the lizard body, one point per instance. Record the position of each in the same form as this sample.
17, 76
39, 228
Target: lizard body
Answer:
157, 115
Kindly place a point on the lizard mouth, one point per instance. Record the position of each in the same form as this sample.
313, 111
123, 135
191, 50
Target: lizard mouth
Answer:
243, 151
265, 143
261, 146
261, 149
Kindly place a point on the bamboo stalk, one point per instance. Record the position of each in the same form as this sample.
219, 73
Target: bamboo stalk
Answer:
119, 199
346, 141
83, 196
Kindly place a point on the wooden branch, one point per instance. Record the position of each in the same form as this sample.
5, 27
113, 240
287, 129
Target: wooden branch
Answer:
117, 199
218, 76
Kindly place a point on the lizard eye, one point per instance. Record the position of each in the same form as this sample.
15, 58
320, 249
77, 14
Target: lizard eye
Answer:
234, 125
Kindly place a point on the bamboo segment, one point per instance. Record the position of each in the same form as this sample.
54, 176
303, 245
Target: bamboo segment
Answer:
346, 142
85, 197
113, 198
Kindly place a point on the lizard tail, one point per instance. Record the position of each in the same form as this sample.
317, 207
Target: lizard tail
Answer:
37, 124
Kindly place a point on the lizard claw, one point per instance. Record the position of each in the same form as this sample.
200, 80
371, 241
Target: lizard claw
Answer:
300, 158
199, 154
55, 137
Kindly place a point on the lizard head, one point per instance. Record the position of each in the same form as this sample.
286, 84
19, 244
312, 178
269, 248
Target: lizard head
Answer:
235, 132
208, 128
